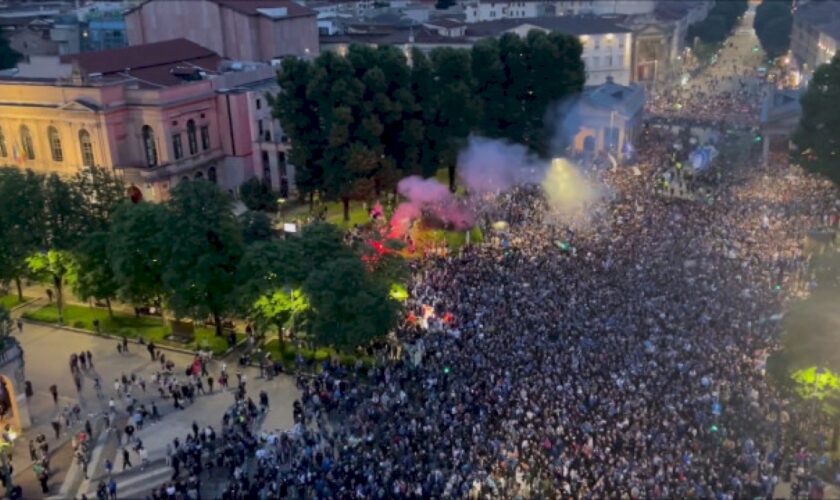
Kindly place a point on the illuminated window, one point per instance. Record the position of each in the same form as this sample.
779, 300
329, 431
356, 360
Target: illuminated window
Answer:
192, 140
149, 146
55, 144
87, 148
26, 143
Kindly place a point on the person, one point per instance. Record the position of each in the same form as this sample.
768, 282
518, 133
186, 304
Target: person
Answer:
124, 344
54, 392
56, 425
89, 358
20, 325
210, 384
112, 488
33, 455
43, 479
151, 349
126, 459
50, 295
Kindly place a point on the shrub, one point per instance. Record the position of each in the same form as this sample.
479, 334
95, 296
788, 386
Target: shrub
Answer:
79, 324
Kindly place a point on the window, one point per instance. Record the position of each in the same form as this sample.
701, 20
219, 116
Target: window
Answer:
26, 143
191, 138
87, 148
205, 137
266, 169
199, 175
55, 144
211, 174
149, 146
3, 151
609, 61
260, 127
177, 147
259, 103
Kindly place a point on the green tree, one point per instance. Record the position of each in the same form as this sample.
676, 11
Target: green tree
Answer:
349, 307
817, 138
205, 248
456, 108
265, 293
719, 24
773, 24
9, 57
256, 226
296, 106
257, 195
56, 267
94, 272
138, 251
21, 222
101, 192
64, 214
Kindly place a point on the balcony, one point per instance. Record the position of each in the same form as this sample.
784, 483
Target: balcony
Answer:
178, 168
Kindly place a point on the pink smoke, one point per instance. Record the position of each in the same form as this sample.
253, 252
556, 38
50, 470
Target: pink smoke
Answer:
428, 197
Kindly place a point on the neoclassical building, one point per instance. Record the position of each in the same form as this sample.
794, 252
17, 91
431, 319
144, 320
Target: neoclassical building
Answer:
156, 114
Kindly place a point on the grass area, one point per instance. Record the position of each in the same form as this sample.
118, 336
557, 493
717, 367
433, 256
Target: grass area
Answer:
147, 327
454, 239
287, 352
11, 300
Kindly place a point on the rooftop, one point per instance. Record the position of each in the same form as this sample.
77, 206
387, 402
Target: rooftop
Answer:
273, 9
160, 64
571, 25
613, 96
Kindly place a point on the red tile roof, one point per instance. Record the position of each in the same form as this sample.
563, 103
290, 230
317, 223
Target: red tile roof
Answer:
150, 63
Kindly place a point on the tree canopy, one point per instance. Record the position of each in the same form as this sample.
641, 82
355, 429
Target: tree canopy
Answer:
721, 21
361, 121
817, 138
773, 24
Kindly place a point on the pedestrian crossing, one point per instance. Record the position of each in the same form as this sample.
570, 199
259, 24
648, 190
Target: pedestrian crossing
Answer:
136, 483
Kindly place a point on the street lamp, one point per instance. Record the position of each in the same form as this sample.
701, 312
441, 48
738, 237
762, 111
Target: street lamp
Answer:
281, 202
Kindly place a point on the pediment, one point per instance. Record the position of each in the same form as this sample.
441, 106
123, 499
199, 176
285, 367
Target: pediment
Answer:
79, 105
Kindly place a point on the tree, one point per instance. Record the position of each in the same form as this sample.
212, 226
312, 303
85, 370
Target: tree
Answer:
21, 222
349, 307
444, 4
773, 23
205, 248
101, 192
138, 250
9, 57
296, 106
720, 22
94, 272
455, 107
64, 215
256, 226
817, 138
265, 293
257, 195
56, 267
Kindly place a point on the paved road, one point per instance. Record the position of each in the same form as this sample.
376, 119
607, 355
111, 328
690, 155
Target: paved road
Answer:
47, 351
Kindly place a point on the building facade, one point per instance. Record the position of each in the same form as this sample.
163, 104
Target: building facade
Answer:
179, 113
607, 46
815, 35
609, 119
253, 30
493, 10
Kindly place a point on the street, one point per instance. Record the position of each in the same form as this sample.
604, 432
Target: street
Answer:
47, 351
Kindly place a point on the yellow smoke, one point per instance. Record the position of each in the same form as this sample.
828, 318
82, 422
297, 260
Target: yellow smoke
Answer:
568, 191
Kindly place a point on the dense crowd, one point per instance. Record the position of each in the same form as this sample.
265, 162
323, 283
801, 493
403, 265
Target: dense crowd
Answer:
622, 358
630, 366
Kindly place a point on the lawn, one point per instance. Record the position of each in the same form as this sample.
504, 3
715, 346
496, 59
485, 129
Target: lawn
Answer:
286, 354
148, 327
11, 300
